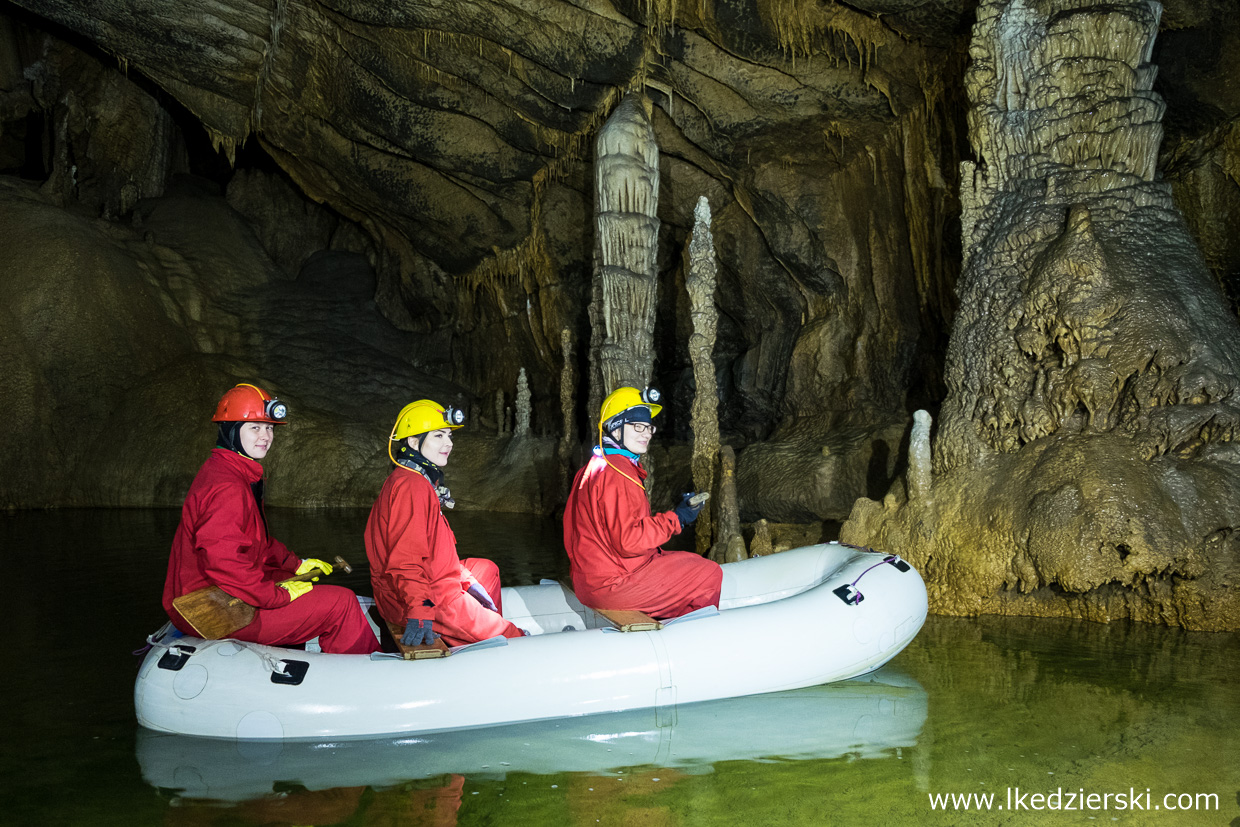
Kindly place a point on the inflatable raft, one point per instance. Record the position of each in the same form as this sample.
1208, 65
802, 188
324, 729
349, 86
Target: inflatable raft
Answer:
798, 618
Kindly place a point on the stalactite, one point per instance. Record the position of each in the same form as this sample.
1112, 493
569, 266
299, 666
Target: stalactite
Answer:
566, 398
279, 16
700, 283
522, 427
625, 267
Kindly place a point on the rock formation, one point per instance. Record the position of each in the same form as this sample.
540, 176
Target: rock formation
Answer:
522, 427
700, 284
356, 202
1084, 462
626, 204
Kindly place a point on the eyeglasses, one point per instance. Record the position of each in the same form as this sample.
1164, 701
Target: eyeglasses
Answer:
642, 427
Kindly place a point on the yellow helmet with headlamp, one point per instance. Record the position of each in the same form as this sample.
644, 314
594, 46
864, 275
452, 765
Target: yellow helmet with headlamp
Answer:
622, 400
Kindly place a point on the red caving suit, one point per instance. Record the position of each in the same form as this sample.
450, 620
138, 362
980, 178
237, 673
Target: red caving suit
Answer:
222, 540
613, 544
413, 562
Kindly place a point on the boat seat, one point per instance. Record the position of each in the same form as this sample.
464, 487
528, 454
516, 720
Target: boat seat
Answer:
628, 620
438, 649
625, 620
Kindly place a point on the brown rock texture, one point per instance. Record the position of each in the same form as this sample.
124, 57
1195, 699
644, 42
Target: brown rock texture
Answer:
452, 147
362, 203
1084, 462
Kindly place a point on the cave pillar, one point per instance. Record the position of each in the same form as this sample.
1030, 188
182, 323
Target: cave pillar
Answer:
700, 283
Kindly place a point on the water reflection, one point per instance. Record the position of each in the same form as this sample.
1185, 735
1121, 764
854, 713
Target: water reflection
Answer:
868, 718
1005, 702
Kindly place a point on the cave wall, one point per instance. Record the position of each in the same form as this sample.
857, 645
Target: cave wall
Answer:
391, 199
452, 152
1084, 460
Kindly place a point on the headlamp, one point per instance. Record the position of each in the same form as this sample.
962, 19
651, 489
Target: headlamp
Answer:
275, 409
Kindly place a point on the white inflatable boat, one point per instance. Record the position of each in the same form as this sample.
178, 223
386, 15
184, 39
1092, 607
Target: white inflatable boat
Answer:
798, 618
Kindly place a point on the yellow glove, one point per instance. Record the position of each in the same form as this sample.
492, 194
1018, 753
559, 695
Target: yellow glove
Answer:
313, 563
296, 588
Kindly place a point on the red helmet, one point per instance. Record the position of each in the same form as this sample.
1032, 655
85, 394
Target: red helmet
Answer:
247, 403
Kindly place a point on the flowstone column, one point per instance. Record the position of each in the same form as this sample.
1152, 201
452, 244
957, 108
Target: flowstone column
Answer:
1093, 367
626, 200
700, 284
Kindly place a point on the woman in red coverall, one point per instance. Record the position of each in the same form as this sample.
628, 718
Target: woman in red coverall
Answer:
612, 538
420, 583
223, 541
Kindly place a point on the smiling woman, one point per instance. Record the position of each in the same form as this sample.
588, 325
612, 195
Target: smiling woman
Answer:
222, 544
257, 438
613, 540
423, 589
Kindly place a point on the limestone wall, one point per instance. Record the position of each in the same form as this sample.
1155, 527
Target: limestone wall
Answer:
1084, 461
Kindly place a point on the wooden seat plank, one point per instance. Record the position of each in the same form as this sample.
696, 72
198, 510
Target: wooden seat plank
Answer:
628, 620
438, 649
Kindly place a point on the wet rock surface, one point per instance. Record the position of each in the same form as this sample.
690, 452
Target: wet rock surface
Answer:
361, 204
1084, 458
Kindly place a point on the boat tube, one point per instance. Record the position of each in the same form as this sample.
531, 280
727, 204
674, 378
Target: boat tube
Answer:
799, 618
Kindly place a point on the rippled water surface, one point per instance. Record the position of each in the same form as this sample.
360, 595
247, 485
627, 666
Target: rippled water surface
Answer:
1142, 718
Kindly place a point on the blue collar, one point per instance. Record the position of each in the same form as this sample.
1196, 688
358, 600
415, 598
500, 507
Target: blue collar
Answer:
610, 446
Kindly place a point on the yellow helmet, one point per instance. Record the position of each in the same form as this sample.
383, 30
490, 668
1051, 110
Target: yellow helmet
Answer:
624, 399
423, 416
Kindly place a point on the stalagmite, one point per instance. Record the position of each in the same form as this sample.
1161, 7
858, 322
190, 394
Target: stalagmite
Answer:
500, 419
522, 427
626, 200
919, 456
700, 283
761, 544
730, 546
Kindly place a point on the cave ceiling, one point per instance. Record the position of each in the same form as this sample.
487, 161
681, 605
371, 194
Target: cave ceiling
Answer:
450, 131
456, 141
437, 127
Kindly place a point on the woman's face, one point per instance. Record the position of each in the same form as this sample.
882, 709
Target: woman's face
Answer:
257, 438
636, 436
436, 446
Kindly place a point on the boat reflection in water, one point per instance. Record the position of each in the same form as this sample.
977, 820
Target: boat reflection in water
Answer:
867, 717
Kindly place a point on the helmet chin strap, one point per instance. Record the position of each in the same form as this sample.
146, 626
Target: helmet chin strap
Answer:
602, 451
229, 438
419, 439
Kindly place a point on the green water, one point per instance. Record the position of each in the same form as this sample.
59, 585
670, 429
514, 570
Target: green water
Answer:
985, 706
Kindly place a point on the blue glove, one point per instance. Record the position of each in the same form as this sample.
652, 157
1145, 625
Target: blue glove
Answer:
687, 513
418, 633
480, 594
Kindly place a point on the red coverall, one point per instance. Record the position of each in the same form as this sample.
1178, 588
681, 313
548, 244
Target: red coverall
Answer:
613, 544
222, 541
415, 571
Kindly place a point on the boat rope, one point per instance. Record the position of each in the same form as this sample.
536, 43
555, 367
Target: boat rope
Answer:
161, 639
850, 593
